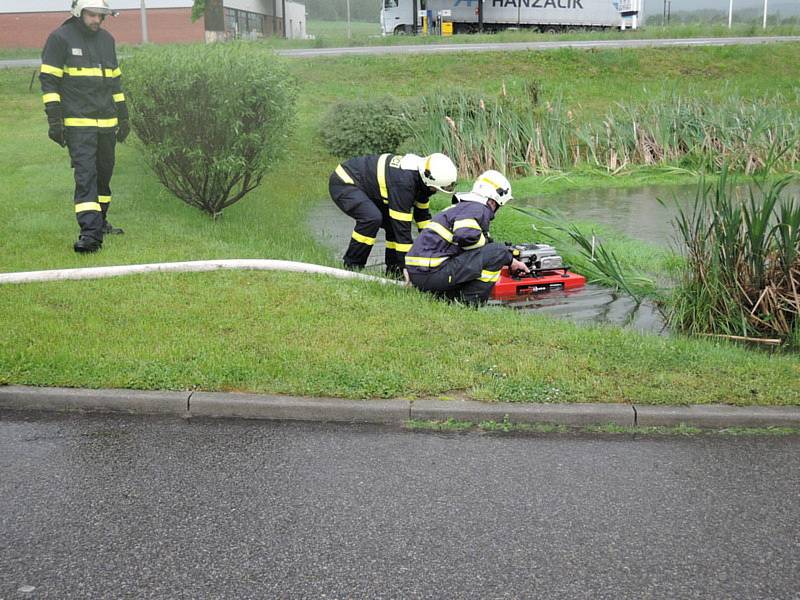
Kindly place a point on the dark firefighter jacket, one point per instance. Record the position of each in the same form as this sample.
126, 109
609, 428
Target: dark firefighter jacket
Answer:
80, 76
459, 228
398, 192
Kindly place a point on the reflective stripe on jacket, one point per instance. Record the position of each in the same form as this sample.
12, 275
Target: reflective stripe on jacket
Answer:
459, 228
399, 193
81, 76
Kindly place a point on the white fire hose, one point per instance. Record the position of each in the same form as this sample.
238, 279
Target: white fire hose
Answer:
195, 266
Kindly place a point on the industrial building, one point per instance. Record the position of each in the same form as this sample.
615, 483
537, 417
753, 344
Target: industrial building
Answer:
27, 23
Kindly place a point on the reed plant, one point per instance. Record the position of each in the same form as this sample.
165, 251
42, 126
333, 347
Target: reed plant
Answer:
742, 274
525, 135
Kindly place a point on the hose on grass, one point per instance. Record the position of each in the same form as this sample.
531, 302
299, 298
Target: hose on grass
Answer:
197, 266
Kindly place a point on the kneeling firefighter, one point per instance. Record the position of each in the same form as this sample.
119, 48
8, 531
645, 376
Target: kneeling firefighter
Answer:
389, 192
86, 111
454, 256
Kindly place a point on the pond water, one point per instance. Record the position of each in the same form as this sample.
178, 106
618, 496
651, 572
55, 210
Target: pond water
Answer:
636, 212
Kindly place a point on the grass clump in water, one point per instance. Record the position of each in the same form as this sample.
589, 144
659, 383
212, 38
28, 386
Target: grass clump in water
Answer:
742, 275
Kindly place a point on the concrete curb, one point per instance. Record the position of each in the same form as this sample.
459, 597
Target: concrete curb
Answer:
715, 415
14, 397
562, 414
251, 406
255, 406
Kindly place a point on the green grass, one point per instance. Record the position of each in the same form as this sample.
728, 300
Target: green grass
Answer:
507, 426
333, 34
19, 53
296, 334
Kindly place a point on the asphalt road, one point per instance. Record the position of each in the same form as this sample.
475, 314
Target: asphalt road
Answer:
505, 47
111, 507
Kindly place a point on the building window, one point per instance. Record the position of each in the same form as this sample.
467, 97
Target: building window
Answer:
243, 24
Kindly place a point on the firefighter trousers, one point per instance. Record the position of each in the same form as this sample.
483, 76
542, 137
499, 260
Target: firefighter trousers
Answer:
91, 152
468, 277
369, 219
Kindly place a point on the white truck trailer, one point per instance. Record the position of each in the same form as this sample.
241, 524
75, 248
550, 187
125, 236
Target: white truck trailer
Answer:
550, 16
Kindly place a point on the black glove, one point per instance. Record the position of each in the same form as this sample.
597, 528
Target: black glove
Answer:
56, 132
123, 129
55, 121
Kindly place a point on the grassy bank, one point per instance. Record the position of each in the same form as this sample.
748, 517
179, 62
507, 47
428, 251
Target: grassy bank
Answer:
294, 334
331, 34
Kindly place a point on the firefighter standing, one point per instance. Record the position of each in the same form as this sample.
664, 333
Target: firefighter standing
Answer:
388, 191
86, 111
454, 257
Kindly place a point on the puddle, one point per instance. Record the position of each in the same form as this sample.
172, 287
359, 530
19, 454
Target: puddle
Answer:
593, 304
635, 212
333, 228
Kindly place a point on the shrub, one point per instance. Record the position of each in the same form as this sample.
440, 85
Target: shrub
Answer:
211, 119
364, 127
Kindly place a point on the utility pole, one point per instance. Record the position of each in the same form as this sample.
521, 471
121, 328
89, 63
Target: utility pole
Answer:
765, 14
664, 18
669, 10
283, 9
480, 16
730, 14
143, 14
349, 31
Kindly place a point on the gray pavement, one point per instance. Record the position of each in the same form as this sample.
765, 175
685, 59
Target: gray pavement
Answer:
161, 507
504, 47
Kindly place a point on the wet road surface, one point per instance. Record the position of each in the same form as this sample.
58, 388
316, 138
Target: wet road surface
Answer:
110, 507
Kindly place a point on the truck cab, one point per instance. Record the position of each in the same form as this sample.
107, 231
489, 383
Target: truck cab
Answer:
397, 17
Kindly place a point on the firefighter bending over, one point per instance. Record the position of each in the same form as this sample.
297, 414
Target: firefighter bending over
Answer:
388, 191
86, 111
454, 256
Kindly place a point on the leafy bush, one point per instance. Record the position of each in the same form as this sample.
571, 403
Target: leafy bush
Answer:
211, 119
364, 127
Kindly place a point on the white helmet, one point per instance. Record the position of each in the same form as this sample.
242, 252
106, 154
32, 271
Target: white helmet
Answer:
438, 171
98, 6
493, 185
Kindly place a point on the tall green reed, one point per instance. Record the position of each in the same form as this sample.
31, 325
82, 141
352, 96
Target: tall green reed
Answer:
742, 272
521, 134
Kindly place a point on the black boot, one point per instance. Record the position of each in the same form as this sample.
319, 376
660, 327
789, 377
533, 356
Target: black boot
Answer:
87, 244
109, 229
